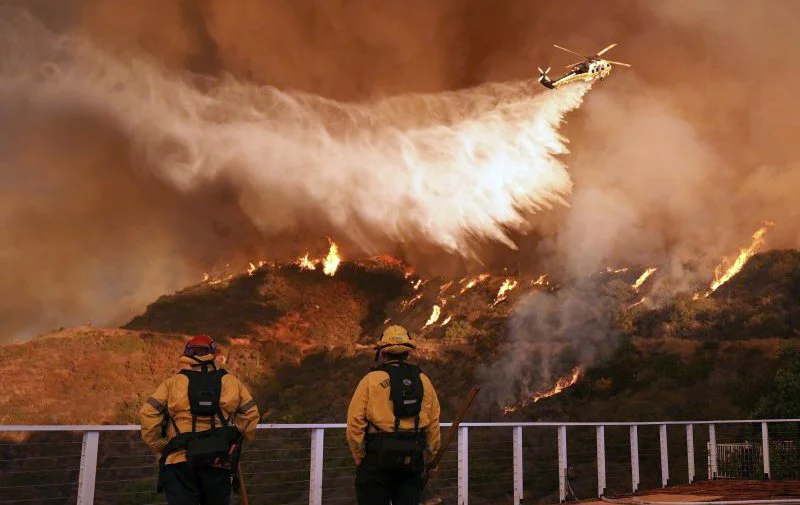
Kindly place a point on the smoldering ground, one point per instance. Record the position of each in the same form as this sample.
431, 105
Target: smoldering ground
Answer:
677, 159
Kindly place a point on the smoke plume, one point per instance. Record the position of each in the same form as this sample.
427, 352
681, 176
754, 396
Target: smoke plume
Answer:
153, 171
450, 169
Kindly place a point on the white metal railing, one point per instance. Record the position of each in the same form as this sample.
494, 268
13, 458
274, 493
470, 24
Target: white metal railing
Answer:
92, 436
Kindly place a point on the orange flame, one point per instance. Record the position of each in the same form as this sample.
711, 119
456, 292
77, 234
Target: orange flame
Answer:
502, 294
473, 282
724, 273
251, 269
435, 313
642, 278
541, 281
332, 260
405, 304
305, 264
447, 320
560, 385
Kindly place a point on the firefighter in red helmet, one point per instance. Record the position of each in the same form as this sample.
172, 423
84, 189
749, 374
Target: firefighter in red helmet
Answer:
197, 421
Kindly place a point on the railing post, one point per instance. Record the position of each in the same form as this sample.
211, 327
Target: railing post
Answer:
662, 437
463, 465
690, 451
601, 461
765, 448
518, 482
635, 458
88, 471
712, 452
315, 478
562, 464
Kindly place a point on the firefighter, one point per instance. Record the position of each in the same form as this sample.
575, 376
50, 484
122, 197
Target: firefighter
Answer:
197, 420
393, 425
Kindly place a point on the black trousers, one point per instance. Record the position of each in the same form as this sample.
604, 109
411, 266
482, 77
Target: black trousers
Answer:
378, 487
184, 485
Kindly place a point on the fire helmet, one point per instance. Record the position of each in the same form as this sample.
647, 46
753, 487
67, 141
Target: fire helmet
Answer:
200, 346
395, 340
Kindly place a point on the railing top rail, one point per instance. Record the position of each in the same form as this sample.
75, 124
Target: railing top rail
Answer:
136, 427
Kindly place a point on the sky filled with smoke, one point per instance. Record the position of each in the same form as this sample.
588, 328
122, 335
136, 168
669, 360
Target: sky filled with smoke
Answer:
677, 159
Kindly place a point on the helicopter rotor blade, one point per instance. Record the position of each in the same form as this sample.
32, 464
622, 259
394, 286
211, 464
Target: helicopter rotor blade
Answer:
606, 49
569, 51
619, 63
573, 64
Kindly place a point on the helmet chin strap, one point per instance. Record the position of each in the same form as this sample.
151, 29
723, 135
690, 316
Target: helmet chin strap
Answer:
204, 364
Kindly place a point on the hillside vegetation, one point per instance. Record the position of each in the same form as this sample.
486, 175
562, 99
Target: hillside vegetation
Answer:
301, 340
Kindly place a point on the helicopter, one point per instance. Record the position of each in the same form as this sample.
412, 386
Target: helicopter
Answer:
594, 68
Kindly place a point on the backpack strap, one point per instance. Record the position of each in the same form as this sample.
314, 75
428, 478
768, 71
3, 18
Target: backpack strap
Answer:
219, 374
393, 369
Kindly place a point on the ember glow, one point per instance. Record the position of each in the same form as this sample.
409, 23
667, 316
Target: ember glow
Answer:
725, 271
642, 278
541, 281
406, 304
637, 303
560, 385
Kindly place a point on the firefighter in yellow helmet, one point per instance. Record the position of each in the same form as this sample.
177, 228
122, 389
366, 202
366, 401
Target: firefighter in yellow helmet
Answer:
393, 425
197, 421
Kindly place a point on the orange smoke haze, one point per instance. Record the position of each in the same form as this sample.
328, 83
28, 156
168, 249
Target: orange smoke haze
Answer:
674, 161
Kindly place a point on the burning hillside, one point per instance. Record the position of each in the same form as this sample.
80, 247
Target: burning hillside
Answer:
283, 325
526, 312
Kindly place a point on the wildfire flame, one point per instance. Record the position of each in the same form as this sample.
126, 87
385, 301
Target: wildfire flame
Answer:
252, 267
473, 282
502, 294
541, 281
560, 385
435, 313
417, 284
405, 304
642, 278
329, 264
305, 264
610, 270
445, 286
723, 273
332, 260
447, 320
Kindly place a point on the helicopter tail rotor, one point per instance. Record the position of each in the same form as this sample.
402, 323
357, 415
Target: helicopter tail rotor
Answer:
543, 72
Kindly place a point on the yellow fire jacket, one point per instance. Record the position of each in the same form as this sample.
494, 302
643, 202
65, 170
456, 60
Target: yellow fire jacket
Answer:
372, 402
173, 396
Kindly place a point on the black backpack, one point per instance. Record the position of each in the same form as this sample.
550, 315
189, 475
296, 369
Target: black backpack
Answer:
217, 445
402, 450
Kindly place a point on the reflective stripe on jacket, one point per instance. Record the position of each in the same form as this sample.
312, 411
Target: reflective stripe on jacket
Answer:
236, 403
